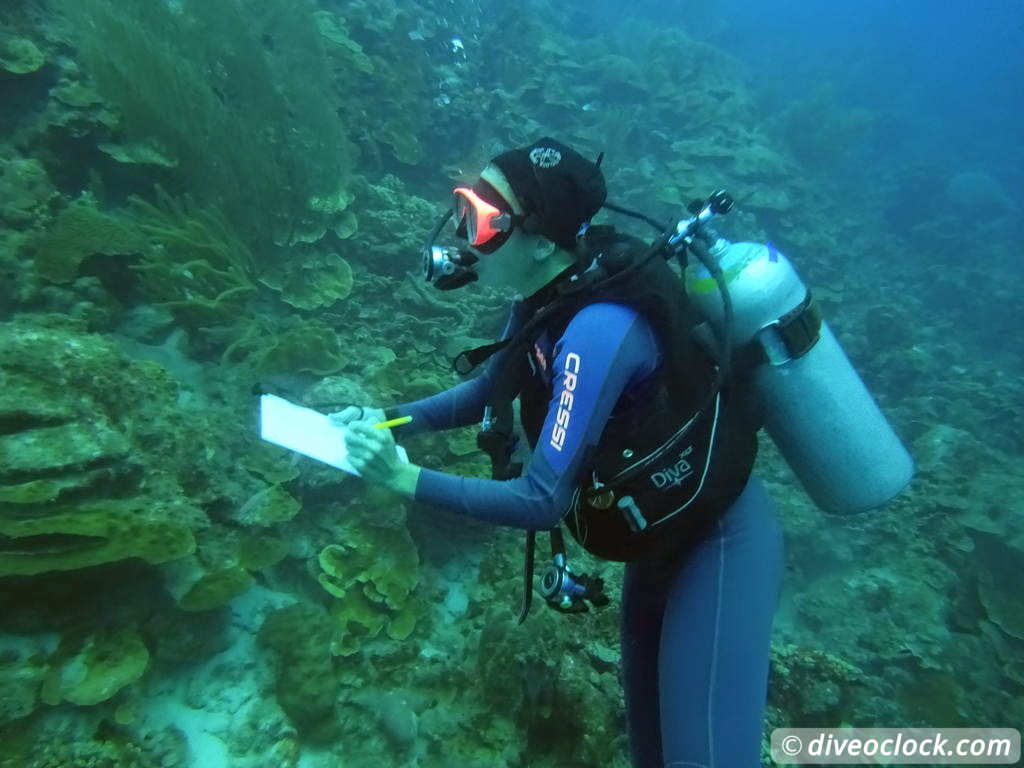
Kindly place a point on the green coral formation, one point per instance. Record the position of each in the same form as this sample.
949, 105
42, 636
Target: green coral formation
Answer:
89, 536
579, 695
82, 230
78, 432
315, 282
223, 568
289, 345
21, 675
307, 683
257, 552
333, 28
997, 594
268, 506
65, 444
371, 576
813, 688
60, 746
196, 265
245, 135
19, 55
27, 191
216, 589
62, 446
97, 670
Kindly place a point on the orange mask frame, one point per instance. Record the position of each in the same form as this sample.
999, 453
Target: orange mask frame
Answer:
481, 221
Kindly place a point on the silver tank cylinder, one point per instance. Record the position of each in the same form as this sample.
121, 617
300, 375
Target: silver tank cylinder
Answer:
824, 421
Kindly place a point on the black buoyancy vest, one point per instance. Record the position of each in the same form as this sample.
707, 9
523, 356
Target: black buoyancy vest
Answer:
659, 475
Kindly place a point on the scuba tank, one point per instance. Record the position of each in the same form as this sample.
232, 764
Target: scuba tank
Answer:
814, 405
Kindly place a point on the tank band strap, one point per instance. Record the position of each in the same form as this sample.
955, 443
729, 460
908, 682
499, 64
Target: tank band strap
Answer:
791, 336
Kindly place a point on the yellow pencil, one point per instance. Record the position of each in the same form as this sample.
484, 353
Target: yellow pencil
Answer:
393, 422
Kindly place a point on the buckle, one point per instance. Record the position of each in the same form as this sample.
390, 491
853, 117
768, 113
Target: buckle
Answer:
600, 498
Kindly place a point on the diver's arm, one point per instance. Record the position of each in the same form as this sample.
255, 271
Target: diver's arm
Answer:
458, 406
606, 347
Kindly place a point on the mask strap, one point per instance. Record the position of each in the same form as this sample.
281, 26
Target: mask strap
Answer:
532, 224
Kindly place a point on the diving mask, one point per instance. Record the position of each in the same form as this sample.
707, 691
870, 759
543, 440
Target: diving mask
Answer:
483, 220
482, 216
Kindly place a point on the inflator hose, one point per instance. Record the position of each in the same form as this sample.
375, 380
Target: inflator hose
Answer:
700, 250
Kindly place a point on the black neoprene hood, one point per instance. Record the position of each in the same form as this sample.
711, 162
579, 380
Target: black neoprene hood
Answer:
555, 183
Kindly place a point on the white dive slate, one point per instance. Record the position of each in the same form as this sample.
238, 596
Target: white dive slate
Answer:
306, 431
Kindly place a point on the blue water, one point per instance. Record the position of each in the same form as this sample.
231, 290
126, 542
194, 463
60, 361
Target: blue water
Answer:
952, 69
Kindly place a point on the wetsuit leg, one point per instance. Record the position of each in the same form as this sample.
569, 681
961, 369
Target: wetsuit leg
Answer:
715, 639
724, 588
643, 605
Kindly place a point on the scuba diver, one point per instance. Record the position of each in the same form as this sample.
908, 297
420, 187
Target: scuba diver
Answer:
643, 433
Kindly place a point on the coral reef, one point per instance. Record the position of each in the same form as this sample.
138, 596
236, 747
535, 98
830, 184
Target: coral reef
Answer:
814, 688
82, 230
84, 537
27, 190
241, 138
68, 448
307, 683
195, 265
372, 576
19, 55
315, 282
200, 199
105, 663
22, 677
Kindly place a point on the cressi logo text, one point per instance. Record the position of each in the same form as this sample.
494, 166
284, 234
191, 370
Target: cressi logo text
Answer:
565, 400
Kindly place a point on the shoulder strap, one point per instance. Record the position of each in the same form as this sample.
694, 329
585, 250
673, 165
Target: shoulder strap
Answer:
615, 255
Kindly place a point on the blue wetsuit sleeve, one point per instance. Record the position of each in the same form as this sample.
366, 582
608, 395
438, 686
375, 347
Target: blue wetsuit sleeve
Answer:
458, 406
605, 348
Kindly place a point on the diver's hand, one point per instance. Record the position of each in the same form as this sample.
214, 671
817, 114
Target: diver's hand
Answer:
372, 453
356, 413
